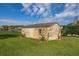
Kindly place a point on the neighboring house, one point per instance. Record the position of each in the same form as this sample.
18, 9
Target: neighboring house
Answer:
8, 28
49, 31
0, 28
11, 28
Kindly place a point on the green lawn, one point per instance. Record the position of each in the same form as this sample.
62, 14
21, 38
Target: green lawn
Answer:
12, 44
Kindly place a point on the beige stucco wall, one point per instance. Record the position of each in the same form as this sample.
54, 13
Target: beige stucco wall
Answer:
54, 32
30, 33
50, 33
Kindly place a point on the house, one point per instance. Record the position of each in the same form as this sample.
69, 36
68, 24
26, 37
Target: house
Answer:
49, 31
12, 28
1, 28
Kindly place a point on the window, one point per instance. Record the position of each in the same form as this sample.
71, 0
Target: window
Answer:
39, 31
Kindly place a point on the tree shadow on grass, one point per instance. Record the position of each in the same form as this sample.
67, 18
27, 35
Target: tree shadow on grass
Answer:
6, 36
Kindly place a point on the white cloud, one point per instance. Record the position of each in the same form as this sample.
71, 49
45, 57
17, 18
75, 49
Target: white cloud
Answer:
7, 21
38, 9
70, 6
13, 22
35, 9
71, 10
26, 7
65, 14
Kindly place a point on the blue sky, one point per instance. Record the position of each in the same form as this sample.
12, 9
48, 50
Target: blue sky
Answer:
31, 13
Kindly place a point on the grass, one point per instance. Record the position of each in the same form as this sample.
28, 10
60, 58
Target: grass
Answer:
12, 44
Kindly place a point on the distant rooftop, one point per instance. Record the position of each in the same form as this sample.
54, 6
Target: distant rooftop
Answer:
40, 25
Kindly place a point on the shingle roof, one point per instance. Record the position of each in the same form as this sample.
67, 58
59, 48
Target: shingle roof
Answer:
40, 25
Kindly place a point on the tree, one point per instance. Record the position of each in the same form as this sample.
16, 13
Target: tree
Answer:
70, 29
